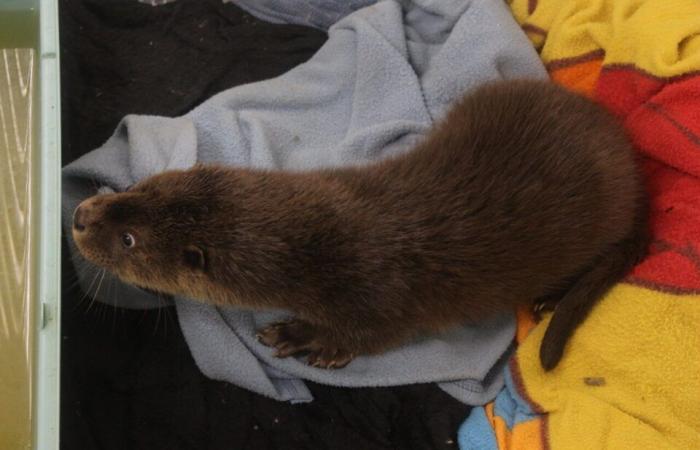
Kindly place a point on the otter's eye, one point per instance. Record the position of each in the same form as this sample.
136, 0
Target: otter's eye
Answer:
128, 240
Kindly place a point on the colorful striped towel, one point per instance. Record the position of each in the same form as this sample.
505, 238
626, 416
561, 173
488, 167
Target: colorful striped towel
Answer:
631, 376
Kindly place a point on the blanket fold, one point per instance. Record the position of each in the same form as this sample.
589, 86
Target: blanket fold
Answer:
386, 73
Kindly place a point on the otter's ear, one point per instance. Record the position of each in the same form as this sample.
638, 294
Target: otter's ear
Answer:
194, 258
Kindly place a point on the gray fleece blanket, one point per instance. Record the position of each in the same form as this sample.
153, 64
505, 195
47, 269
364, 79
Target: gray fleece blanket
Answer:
386, 73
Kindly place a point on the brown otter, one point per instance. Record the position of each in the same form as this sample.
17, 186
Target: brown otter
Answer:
523, 193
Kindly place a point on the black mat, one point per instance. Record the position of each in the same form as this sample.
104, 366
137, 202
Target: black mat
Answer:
128, 380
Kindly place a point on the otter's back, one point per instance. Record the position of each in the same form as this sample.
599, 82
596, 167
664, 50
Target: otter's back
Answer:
521, 180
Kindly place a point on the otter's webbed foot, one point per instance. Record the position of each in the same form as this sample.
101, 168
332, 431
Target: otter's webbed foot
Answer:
295, 336
545, 304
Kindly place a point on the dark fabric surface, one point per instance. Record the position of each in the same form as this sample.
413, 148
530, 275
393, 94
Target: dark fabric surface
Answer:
128, 380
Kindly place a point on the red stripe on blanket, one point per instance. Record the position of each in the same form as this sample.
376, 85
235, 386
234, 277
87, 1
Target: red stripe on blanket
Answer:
567, 62
531, 5
663, 116
517, 377
518, 382
663, 119
534, 29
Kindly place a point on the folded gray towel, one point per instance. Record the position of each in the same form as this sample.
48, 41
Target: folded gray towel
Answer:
387, 72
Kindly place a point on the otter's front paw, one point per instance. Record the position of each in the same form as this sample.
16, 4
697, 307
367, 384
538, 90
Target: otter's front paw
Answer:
295, 336
288, 338
544, 305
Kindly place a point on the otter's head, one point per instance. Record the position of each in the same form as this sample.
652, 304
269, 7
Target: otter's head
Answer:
152, 234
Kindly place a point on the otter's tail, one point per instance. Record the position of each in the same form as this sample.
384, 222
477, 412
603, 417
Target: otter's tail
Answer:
575, 305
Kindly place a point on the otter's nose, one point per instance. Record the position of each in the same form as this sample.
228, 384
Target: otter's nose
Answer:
79, 218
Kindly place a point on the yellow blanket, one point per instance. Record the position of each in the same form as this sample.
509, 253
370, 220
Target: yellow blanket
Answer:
630, 378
